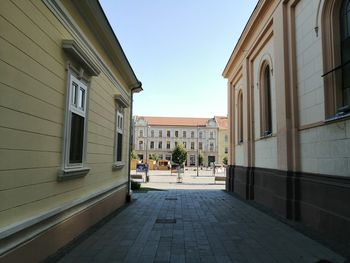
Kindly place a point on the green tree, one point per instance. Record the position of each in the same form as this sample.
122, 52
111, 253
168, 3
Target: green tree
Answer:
179, 155
155, 157
224, 160
200, 159
133, 155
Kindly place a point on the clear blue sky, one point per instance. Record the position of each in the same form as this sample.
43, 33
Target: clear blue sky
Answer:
178, 50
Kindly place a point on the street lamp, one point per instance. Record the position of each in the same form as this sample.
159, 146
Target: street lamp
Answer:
147, 176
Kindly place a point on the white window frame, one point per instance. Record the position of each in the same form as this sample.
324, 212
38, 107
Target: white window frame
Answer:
119, 129
74, 169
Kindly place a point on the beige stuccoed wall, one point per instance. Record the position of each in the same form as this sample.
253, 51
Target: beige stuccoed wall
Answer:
265, 148
324, 149
309, 64
32, 107
221, 145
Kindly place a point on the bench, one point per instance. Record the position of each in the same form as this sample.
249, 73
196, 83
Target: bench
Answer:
137, 177
220, 178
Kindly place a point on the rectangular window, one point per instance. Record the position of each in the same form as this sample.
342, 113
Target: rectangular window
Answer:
160, 134
192, 134
200, 146
211, 147
152, 145
184, 134
152, 133
211, 135
160, 145
176, 134
168, 145
200, 135
76, 124
141, 133
140, 145
226, 150
175, 144
119, 135
184, 144
192, 145
168, 134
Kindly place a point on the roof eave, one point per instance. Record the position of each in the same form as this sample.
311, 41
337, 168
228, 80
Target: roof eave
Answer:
243, 36
98, 22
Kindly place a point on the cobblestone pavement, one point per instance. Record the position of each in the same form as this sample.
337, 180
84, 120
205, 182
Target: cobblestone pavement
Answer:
211, 226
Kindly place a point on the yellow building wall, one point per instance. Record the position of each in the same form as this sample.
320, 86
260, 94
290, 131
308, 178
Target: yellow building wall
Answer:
32, 107
221, 145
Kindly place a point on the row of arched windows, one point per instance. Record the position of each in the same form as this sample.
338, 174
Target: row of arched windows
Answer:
336, 54
265, 105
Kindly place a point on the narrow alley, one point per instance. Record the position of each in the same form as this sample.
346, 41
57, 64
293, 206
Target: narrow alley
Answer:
196, 226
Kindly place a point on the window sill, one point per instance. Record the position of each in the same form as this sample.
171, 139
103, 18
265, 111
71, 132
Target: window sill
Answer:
266, 136
118, 166
337, 118
67, 174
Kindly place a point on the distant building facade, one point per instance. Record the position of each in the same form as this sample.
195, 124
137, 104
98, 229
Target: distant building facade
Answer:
65, 109
223, 143
289, 112
160, 135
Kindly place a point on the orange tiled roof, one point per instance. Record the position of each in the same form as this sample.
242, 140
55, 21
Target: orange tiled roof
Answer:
221, 121
175, 121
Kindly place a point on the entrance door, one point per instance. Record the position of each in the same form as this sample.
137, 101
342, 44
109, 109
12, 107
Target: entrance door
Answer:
192, 160
211, 159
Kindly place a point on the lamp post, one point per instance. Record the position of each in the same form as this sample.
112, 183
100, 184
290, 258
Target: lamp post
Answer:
147, 176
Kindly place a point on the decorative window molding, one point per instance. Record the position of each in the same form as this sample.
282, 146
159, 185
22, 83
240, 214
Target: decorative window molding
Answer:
119, 141
63, 15
335, 61
240, 117
71, 47
265, 100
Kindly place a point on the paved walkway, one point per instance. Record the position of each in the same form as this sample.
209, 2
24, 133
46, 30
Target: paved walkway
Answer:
167, 180
211, 226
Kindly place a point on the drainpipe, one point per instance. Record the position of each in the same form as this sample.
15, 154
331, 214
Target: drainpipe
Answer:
136, 89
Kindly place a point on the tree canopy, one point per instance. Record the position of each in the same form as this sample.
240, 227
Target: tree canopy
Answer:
179, 155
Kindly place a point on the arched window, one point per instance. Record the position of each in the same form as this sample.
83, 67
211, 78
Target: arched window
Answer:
336, 56
345, 54
240, 117
265, 101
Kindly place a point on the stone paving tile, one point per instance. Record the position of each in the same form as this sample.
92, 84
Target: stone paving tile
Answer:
211, 226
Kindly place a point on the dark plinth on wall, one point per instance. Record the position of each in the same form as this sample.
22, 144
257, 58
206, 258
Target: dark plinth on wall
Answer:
318, 201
